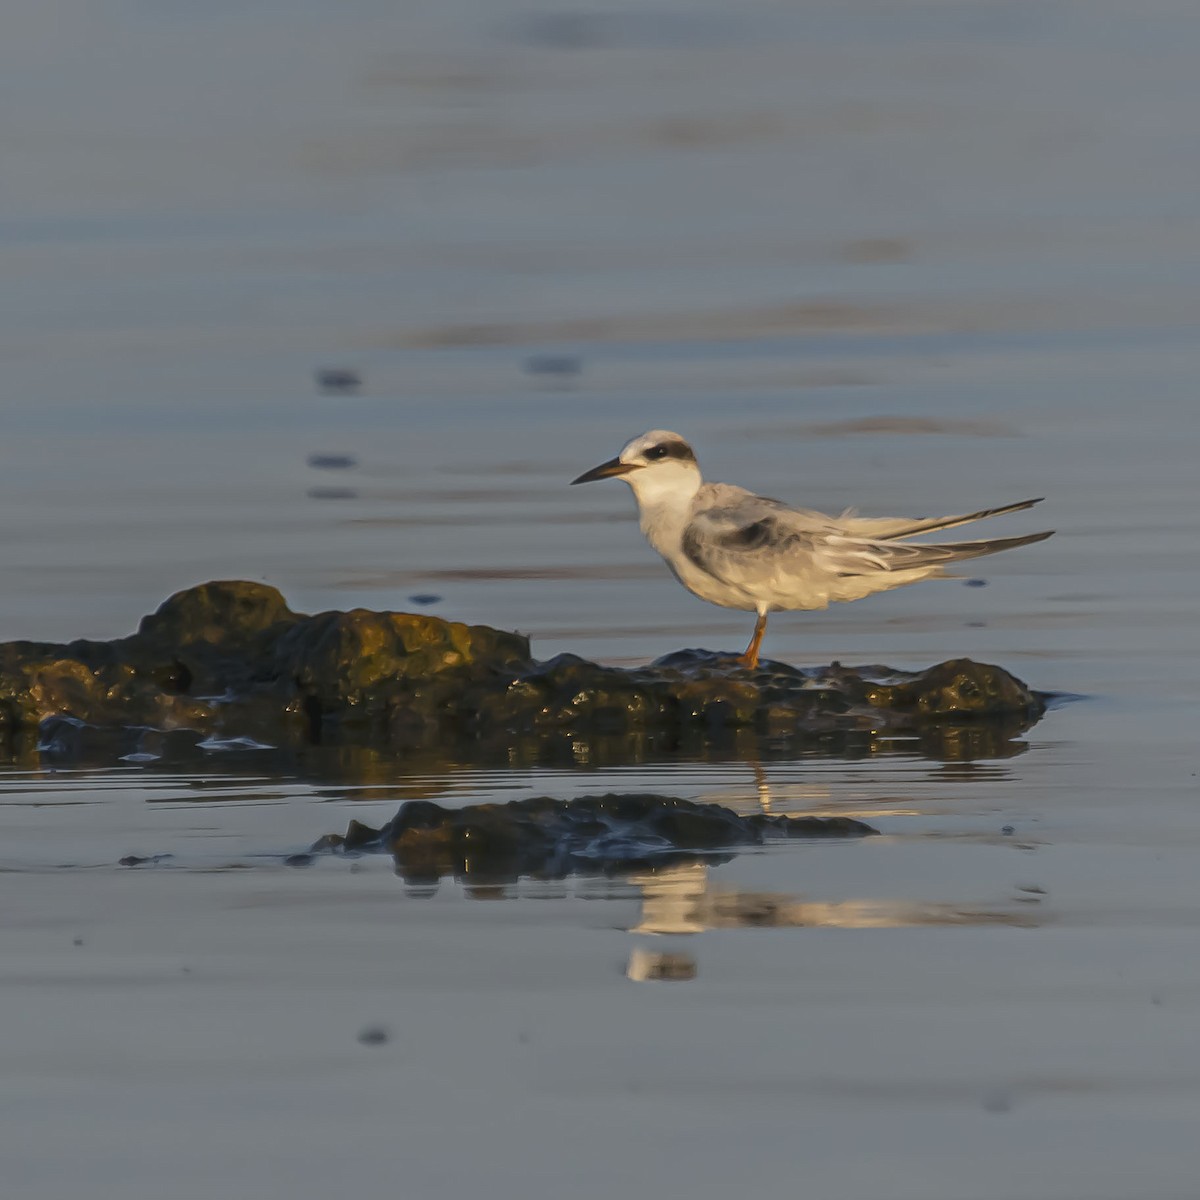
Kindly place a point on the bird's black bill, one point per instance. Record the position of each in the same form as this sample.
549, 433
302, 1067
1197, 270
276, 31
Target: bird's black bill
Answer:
607, 470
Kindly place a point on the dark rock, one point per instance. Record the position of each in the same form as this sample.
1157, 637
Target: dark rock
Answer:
229, 615
357, 836
768, 826
331, 841
490, 845
231, 659
953, 688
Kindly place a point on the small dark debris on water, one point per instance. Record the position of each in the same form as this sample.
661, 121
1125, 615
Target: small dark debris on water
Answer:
338, 379
425, 598
558, 366
77, 941
975, 583
332, 462
332, 493
1008, 830
373, 1035
135, 860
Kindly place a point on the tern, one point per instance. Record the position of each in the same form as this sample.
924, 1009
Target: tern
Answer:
738, 550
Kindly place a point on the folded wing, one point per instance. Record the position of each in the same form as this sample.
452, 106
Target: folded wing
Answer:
758, 542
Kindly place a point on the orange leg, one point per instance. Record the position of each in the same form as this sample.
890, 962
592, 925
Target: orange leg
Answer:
750, 658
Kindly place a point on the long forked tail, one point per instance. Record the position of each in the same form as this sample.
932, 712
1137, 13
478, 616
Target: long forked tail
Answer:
957, 551
901, 528
868, 556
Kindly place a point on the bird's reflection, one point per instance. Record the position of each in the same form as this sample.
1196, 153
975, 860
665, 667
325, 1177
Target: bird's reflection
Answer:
683, 900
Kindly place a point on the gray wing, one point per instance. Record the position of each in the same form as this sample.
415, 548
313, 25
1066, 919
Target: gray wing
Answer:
742, 548
755, 540
742, 538
732, 544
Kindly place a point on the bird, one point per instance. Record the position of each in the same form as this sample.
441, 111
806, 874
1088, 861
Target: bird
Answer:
748, 552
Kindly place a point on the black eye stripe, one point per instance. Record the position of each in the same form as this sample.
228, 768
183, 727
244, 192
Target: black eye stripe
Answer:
677, 450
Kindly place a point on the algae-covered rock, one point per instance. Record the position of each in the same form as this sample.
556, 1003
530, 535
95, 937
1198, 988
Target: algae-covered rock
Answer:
231, 658
960, 687
547, 838
226, 615
345, 657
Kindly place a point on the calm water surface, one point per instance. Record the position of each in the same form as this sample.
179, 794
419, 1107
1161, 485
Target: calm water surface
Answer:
907, 258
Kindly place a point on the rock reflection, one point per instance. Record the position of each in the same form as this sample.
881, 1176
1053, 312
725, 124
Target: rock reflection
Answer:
425, 773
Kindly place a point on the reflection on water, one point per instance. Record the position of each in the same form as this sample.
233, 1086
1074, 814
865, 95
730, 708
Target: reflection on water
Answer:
229, 802
682, 899
375, 772
658, 964
236, 806
747, 775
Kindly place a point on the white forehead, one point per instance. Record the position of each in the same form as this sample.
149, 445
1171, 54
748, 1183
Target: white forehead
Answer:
640, 444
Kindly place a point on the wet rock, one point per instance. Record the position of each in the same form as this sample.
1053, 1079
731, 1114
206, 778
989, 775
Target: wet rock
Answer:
545, 838
231, 661
230, 616
956, 688
137, 860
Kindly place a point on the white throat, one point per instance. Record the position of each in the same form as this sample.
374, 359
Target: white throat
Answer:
664, 494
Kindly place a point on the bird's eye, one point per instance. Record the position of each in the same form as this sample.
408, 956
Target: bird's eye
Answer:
656, 452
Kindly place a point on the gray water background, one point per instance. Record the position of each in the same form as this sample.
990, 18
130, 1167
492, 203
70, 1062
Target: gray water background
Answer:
907, 257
